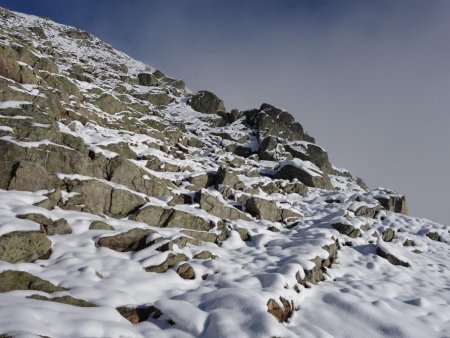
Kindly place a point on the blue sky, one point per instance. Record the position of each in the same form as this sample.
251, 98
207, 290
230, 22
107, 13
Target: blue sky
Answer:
369, 79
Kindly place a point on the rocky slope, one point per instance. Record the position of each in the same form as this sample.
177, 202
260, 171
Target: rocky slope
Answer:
131, 207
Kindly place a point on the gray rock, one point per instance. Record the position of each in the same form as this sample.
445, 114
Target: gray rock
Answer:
11, 280
312, 153
388, 235
99, 225
290, 172
147, 79
347, 229
434, 236
216, 207
391, 258
229, 177
171, 260
50, 227
132, 240
395, 203
24, 246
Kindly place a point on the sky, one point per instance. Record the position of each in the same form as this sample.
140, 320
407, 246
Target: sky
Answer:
370, 80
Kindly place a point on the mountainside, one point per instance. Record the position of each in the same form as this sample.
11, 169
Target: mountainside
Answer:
131, 207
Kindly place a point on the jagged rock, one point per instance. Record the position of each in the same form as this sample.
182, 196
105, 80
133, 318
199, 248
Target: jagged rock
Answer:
347, 229
281, 312
186, 271
11, 280
215, 206
313, 153
24, 246
294, 169
159, 216
58, 227
206, 102
272, 149
395, 203
147, 79
269, 120
99, 225
388, 235
205, 255
139, 314
68, 300
434, 236
391, 258
171, 260
132, 240
180, 242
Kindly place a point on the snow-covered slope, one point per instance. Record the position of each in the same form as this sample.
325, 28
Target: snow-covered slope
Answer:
131, 207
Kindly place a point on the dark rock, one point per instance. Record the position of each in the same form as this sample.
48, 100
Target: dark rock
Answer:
206, 102
391, 258
139, 314
395, 203
388, 235
146, 79
313, 153
434, 236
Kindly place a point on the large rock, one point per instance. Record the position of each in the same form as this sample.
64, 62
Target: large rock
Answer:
297, 169
68, 300
217, 207
29, 176
24, 246
147, 79
206, 102
11, 280
228, 177
269, 120
161, 216
395, 203
311, 152
132, 240
347, 229
262, 208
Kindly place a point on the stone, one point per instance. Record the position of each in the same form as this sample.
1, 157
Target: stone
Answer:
269, 120
263, 209
391, 258
132, 240
171, 260
271, 149
206, 236
186, 271
50, 227
11, 280
99, 225
313, 153
388, 235
244, 234
180, 242
293, 187
110, 104
147, 79
434, 236
24, 246
157, 99
395, 203
135, 315
205, 255
347, 229
29, 176
281, 312
68, 300
313, 275
206, 102
159, 216
124, 202
215, 206
229, 177
408, 242
290, 170
366, 211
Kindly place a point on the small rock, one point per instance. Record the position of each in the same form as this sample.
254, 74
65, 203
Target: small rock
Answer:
186, 271
388, 235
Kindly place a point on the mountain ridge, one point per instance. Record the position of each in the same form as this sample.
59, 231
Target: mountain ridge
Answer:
122, 178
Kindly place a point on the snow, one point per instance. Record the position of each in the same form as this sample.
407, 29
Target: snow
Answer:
362, 294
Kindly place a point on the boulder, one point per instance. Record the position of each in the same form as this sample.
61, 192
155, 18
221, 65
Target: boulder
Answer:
11, 280
206, 236
132, 240
110, 104
24, 246
50, 227
206, 102
99, 225
395, 203
434, 236
347, 229
382, 252
229, 177
313, 153
296, 169
366, 211
205, 255
262, 208
147, 79
388, 235
29, 176
269, 120
218, 207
